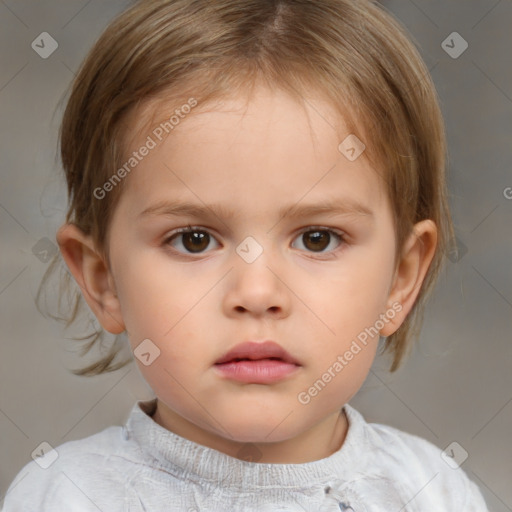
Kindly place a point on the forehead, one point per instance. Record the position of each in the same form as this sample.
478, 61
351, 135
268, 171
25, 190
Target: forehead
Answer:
246, 150
257, 105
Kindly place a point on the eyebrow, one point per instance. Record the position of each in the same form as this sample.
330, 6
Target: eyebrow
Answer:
180, 208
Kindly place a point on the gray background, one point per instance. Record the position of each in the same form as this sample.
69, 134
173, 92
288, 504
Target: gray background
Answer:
457, 385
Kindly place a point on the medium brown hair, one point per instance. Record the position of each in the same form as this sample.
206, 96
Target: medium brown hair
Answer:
351, 51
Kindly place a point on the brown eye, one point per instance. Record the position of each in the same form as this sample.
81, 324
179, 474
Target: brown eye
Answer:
318, 240
196, 241
189, 241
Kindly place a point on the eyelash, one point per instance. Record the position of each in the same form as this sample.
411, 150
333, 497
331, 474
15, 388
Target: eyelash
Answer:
191, 229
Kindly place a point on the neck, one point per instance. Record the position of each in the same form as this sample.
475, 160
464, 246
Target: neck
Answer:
318, 442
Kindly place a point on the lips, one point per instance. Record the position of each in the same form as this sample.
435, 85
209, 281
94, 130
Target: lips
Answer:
254, 351
257, 363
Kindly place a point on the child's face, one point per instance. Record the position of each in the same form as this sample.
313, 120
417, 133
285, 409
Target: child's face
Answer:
310, 293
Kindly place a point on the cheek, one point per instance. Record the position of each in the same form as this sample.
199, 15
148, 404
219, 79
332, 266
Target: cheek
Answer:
338, 380
359, 291
351, 304
153, 296
169, 309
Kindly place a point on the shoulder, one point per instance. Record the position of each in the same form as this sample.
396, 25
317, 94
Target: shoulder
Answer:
86, 474
422, 471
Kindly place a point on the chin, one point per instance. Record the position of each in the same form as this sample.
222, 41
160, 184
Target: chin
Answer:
255, 428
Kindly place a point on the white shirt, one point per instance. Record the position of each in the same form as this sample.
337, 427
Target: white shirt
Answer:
143, 467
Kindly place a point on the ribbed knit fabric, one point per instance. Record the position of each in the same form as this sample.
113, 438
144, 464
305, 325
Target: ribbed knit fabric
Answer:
144, 467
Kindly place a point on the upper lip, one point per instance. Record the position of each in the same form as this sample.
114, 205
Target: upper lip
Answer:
257, 350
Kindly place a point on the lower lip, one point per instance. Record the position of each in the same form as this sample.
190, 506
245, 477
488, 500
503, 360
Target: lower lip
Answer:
262, 371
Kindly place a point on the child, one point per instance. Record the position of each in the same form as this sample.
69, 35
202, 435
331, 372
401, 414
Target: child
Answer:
257, 197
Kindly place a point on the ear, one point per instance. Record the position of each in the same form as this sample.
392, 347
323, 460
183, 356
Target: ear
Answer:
92, 275
416, 256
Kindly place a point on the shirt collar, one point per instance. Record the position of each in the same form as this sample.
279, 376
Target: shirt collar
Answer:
189, 460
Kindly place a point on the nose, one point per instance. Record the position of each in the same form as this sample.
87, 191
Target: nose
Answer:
258, 288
